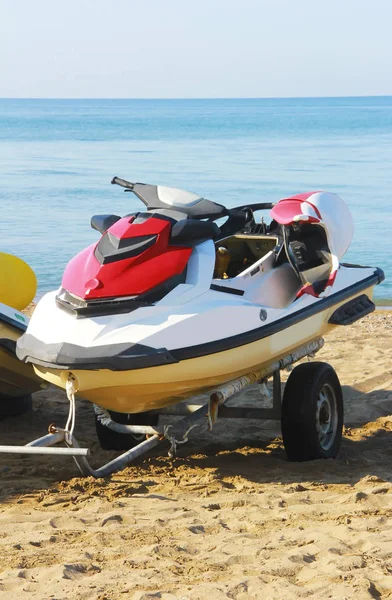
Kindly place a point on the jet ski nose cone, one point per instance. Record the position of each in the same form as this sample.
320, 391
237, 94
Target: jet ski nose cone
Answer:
92, 284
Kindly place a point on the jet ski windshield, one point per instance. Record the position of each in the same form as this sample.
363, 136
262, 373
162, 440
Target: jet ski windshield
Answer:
161, 197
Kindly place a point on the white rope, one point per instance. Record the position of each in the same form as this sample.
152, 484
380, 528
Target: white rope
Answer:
70, 424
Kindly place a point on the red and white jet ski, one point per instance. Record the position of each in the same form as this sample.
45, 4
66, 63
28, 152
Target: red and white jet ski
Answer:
168, 303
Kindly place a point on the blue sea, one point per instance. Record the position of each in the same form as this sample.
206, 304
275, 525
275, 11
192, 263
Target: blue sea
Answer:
57, 158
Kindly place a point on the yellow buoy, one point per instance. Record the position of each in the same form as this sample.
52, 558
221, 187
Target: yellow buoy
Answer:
18, 283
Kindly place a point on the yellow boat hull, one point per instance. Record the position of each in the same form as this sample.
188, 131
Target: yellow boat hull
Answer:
156, 387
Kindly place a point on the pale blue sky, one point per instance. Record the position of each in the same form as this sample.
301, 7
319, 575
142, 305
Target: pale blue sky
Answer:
195, 48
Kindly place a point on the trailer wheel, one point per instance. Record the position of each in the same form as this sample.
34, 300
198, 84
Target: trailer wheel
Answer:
13, 407
312, 412
113, 440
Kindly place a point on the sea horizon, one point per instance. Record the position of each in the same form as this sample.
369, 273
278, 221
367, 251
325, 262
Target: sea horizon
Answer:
212, 98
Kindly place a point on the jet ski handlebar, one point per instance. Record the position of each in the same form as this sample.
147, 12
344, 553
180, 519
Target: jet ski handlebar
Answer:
123, 183
129, 186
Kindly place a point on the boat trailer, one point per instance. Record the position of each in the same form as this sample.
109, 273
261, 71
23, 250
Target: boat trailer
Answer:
195, 415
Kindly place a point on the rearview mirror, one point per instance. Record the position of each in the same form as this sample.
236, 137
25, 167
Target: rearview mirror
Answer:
102, 222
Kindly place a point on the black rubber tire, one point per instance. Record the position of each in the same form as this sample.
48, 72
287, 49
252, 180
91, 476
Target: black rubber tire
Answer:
304, 411
112, 440
13, 407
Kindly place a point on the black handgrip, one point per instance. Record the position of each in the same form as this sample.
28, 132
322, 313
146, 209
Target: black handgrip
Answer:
123, 182
257, 206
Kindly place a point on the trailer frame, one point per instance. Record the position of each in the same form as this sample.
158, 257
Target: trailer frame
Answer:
196, 415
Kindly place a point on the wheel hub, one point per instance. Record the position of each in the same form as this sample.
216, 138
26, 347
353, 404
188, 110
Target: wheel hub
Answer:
326, 417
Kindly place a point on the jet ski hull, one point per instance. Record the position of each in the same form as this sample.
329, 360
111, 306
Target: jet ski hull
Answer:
168, 305
16, 378
154, 387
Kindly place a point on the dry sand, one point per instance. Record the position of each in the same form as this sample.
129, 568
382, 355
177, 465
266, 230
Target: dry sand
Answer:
229, 518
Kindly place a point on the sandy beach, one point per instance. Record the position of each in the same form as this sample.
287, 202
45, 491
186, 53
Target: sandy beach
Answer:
229, 518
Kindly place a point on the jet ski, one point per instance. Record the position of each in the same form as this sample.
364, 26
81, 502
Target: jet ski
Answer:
187, 294
17, 380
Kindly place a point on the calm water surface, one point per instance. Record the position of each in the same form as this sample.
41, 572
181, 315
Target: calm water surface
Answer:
57, 158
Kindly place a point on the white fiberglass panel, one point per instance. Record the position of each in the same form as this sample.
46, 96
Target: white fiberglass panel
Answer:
214, 323
215, 316
52, 325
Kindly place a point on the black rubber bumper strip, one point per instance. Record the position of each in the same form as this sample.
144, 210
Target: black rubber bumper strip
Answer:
124, 357
8, 344
17, 324
115, 357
